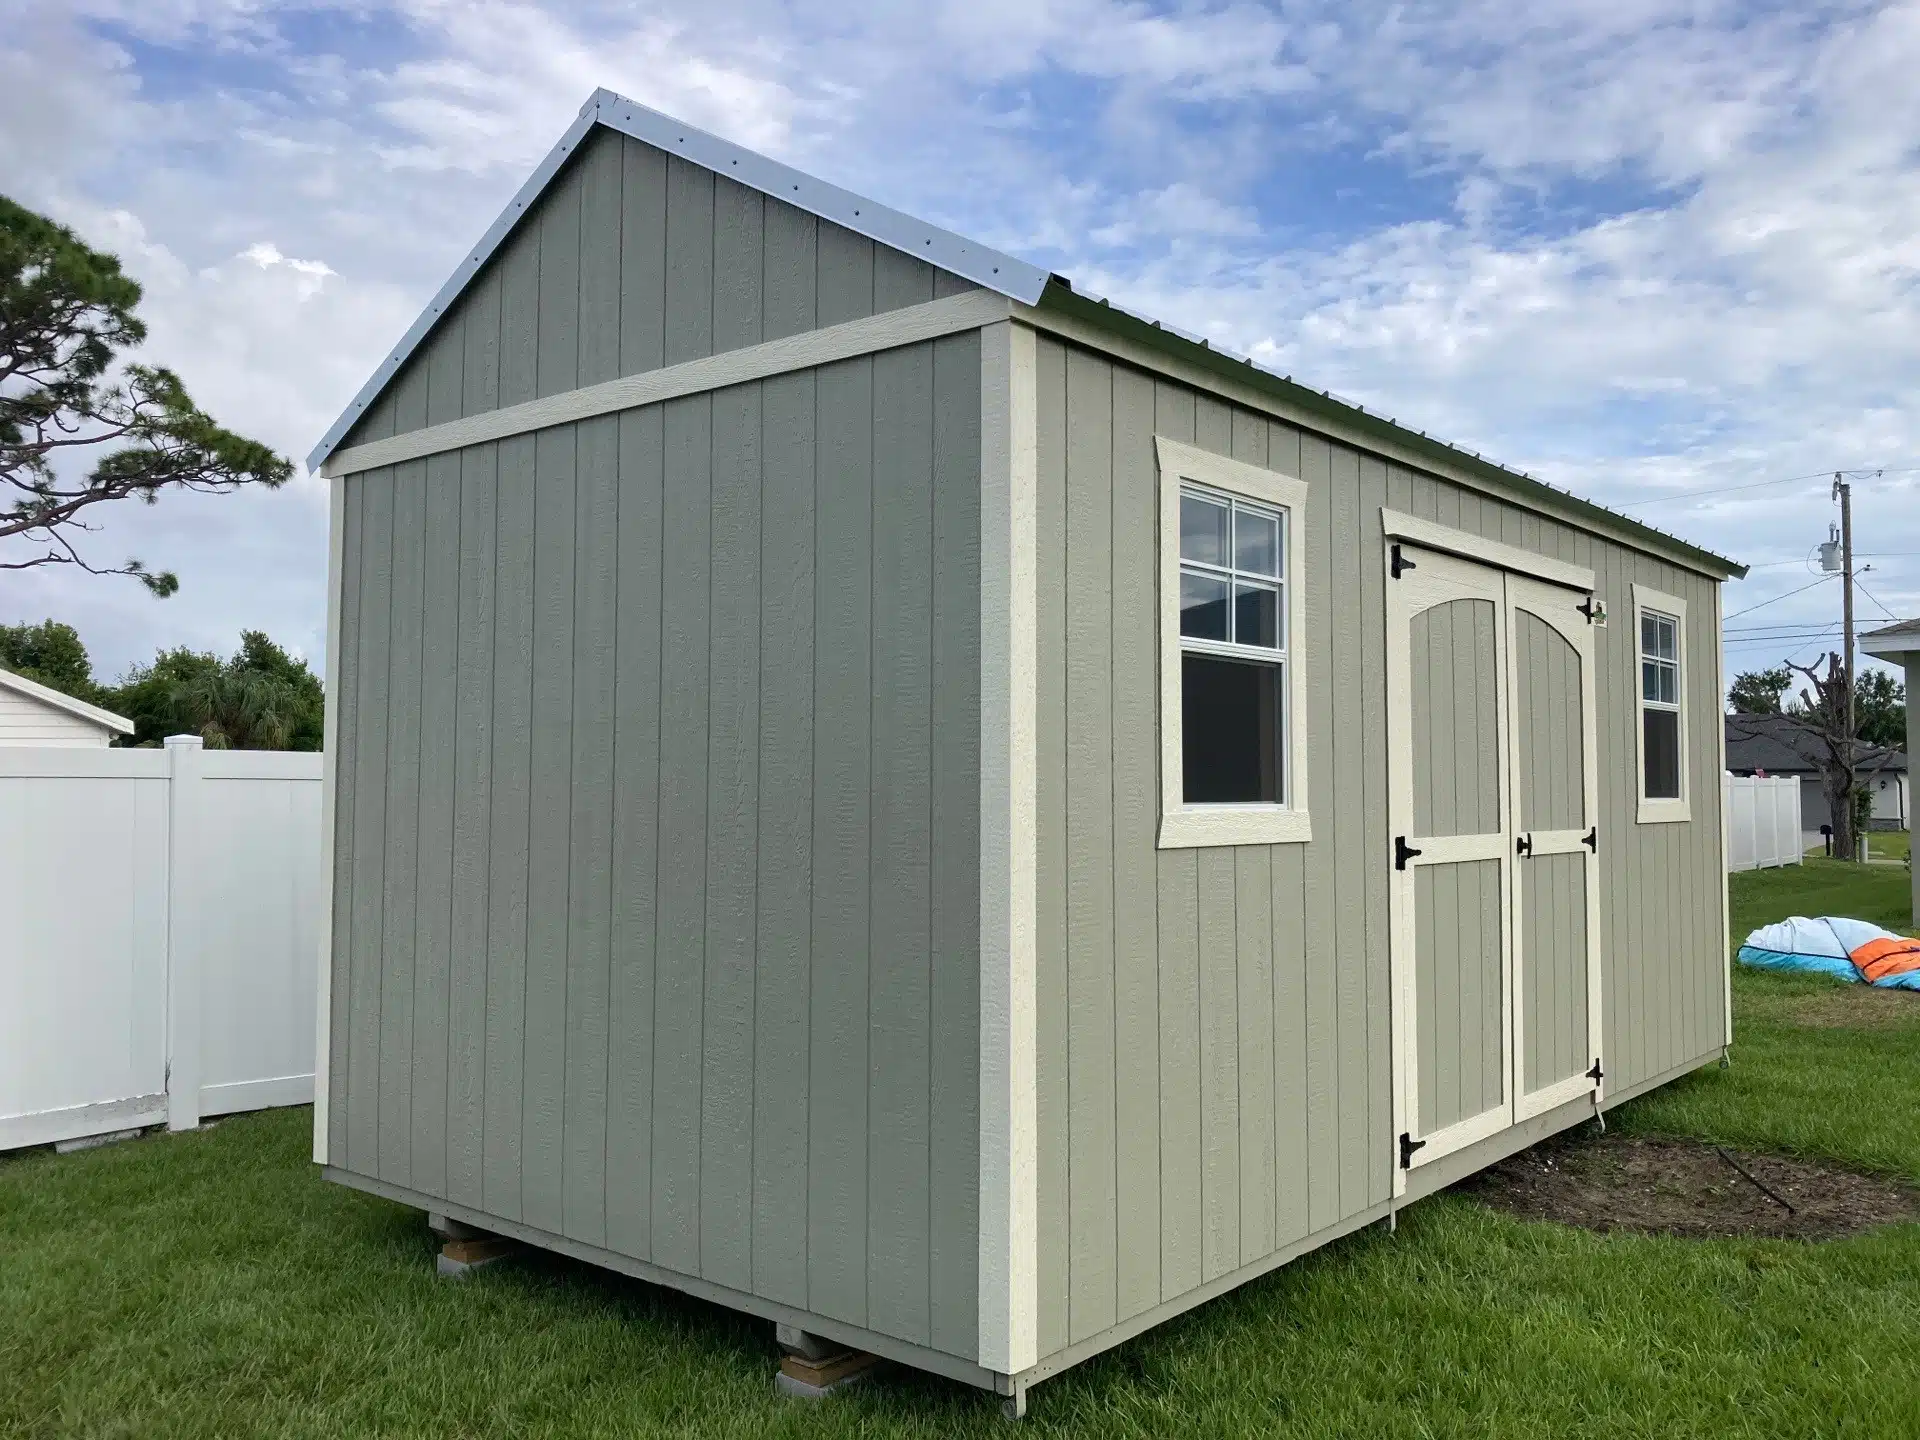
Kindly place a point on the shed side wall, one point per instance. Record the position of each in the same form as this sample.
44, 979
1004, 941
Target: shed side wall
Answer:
657, 864
1214, 1026
25, 720
634, 259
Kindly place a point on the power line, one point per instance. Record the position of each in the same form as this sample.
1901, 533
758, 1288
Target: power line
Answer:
1776, 599
1760, 484
1876, 599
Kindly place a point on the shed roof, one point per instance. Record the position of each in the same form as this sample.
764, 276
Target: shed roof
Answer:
1016, 279
1778, 745
59, 700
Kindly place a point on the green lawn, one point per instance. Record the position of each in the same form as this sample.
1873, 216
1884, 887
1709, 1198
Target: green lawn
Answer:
209, 1285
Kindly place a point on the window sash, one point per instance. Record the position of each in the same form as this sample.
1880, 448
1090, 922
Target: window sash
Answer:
1235, 578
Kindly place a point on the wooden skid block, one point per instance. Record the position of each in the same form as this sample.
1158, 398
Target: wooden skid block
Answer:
811, 1379
460, 1258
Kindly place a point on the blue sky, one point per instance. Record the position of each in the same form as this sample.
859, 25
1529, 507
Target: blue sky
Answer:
1639, 247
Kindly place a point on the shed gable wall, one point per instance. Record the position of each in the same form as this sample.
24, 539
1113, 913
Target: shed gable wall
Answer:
632, 260
25, 720
656, 895
1214, 1046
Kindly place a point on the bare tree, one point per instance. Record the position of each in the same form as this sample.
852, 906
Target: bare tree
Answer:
1837, 755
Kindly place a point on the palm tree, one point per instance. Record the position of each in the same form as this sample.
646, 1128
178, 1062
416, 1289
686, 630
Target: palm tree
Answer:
237, 709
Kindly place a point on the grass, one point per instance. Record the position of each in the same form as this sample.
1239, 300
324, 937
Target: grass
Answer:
208, 1284
1893, 845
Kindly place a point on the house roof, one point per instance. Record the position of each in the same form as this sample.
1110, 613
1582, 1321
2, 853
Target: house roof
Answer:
1016, 279
47, 695
1776, 744
1891, 641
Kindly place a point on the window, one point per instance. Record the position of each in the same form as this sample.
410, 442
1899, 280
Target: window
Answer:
1233, 752
1661, 624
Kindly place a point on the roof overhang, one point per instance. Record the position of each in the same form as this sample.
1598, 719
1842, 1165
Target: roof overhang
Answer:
1893, 642
60, 700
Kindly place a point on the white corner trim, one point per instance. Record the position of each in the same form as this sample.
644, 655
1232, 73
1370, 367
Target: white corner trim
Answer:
1662, 812
1009, 1104
1726, 895
1433, 536
1183, 826
886, 331
330, 747
59, 700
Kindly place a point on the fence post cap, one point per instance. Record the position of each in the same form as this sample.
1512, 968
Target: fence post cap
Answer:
185, 742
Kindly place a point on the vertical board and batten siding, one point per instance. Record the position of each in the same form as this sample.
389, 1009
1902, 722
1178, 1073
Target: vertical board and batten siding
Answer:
656, 885
632, 260
1213, 1059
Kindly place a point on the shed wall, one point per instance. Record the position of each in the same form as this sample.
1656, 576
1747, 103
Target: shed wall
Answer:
25, 720
632, 260
656, 893
1214, 1028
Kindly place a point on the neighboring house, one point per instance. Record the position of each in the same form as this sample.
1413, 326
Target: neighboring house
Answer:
36, 714
1899, 644
879, 790
1776, 745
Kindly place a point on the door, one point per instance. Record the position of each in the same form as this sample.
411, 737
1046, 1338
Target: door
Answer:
1556, 920
1448, 775
1491, 794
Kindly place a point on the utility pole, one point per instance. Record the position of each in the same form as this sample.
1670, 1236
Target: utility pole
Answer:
1843, 492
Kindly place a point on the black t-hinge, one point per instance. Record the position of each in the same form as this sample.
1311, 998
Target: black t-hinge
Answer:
1596, 1074
1407, 1146
1523, 846
1592, 839
1400, 562
1403, 852
1590, 610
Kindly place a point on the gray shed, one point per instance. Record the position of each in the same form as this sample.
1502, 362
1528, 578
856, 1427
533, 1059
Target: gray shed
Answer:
880, 790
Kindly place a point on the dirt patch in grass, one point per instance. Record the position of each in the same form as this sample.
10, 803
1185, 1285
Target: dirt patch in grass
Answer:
1684, 1188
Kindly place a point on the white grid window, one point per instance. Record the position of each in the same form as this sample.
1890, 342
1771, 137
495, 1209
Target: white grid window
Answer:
1661, 625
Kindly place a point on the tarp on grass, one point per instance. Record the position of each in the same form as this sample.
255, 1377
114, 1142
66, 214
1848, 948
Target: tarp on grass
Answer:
1849, 950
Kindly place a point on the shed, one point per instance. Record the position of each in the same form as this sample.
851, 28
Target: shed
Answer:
878, 789
1777, 745
36, 714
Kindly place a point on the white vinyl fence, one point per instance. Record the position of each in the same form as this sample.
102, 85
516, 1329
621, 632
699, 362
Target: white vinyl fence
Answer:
1763, 821
159, 933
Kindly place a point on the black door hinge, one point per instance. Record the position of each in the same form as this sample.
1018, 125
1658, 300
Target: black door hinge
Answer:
1523, 846
1596, 1074
1407, 1146
1590, 610
1592, 839
1400, 562
1403, 852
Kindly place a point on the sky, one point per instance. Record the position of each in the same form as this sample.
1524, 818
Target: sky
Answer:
1639, 248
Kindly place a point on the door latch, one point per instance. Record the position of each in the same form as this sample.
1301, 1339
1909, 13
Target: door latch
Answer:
1400, 562
1592, 839
1407, 1146
1403, 852
1523, 846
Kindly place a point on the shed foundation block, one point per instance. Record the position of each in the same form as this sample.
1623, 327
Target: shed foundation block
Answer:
460, 1258
807, 1378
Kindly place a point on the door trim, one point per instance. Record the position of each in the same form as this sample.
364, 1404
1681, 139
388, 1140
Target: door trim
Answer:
1557, 842
1433, 536
1435, 850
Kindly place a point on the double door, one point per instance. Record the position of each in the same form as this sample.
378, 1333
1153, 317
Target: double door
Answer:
1491, 793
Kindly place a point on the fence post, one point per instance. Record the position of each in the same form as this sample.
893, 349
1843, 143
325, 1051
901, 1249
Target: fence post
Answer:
184, 1005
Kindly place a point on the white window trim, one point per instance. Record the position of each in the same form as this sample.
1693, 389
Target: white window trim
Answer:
1660, 812
1184, 826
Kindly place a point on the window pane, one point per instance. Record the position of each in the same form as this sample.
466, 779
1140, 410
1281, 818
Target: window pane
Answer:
1649, 635
1256, 542
1662, 743
1230, 715
1649, 680
1667, 650
1203, 530
1203, 606
1256, 616
1670, 684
